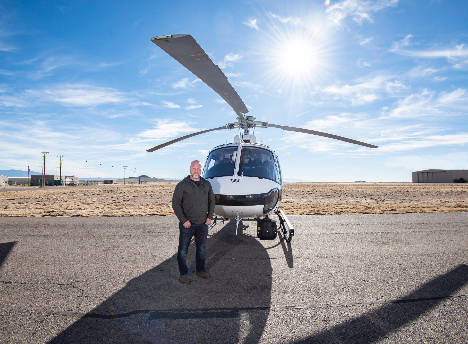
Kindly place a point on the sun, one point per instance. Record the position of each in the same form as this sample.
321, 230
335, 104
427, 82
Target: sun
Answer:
297, 59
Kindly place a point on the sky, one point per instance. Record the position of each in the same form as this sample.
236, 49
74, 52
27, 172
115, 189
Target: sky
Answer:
82, 80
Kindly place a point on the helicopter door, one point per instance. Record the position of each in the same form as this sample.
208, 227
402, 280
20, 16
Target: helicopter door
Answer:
257, 162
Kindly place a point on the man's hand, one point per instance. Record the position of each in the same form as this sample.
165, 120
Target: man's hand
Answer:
187, 224
208, 222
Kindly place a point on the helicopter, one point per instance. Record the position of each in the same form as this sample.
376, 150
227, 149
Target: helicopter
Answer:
245, 175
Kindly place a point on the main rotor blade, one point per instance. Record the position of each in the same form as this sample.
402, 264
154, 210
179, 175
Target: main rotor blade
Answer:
183, 138
186, 50
319, 133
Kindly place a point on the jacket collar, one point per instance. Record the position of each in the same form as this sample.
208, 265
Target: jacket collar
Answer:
191, 181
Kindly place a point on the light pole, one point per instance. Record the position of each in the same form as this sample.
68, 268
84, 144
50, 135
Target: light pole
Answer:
124, 173
43, 174
61, 156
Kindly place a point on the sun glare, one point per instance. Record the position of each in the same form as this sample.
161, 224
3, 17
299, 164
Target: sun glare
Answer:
297, 59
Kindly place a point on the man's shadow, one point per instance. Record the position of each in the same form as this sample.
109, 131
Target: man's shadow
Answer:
231, 307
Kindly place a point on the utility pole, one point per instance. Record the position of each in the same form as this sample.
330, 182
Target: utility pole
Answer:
61, 156
124, 173
43, 174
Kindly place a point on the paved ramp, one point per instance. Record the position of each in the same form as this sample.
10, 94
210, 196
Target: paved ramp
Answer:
342, 279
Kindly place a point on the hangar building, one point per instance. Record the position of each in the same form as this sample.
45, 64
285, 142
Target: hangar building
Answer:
440, 176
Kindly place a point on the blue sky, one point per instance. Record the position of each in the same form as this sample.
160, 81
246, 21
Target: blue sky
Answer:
83, 80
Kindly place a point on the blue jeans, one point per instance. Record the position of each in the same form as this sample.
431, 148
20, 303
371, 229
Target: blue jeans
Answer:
200, 232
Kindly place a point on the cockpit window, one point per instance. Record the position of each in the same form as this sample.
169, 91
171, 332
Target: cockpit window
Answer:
220, 163
257, 162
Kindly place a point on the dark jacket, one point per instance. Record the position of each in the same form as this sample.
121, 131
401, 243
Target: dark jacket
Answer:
192, 202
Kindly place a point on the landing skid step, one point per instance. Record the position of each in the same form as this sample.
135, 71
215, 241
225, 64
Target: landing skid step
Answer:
286, 228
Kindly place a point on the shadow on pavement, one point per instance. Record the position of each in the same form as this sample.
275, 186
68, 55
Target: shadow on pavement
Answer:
5, 249
375, 325
231, 307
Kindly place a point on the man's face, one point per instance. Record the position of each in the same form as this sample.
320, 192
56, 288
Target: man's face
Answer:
195, 170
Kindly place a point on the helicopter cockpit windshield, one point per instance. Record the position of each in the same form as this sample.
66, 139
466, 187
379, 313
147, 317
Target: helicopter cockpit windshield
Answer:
257, 162
220, 163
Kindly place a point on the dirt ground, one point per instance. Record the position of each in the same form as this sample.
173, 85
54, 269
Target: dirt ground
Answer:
298, 199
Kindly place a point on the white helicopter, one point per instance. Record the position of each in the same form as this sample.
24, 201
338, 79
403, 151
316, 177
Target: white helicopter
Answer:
245, 175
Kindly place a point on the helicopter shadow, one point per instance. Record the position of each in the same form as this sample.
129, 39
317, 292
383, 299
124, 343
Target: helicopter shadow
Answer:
5, 249
231, 307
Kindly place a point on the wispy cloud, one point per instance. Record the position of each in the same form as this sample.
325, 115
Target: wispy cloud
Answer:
65, 94
193, 104
166, 129
457, 54
233, 75
7, 47
439, 78
421, 71
251, 22
286, 20
228, 59
80, 95
358, 10
427, 104
184, 83
366, 41
170, 105
363, 93
246, 84
426, 142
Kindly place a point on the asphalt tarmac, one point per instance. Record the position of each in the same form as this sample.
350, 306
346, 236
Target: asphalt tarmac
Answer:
399, 278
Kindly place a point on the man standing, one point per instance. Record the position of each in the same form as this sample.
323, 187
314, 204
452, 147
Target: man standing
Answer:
193, 203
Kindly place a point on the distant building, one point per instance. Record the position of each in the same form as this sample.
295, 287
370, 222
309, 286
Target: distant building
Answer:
50, 179
440, 176
71, 180
3, 180
18, 181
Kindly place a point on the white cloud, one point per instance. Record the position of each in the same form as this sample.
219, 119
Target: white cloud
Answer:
193, 104
66, 94
191, 107
252, 22
366, 41
184, 83
170, 105
362, 63
363, 93
459, 95
427, 104
7, 47
333, 121
228, 59
246, 84
286, 20
80, 95
426, 142
358, 10
166, 129
439, 78
421, 71
395, 86
232, 57
457, 55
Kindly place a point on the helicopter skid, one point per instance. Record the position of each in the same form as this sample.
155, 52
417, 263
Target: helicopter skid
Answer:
285, 226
